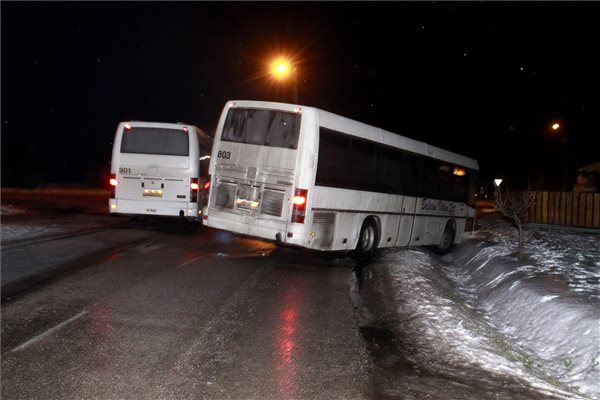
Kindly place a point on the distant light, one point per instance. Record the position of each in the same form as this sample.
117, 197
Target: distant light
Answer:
459, 171
497, 182
281, 68
555, 126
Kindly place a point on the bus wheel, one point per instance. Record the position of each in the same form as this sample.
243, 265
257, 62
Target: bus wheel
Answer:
367, 241
447, 239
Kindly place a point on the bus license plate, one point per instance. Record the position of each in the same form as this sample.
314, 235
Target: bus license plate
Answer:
153, 192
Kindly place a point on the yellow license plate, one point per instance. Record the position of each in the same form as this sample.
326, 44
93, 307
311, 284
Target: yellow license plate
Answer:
153, 192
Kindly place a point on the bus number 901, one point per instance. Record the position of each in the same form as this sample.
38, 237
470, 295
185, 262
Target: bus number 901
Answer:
224, 154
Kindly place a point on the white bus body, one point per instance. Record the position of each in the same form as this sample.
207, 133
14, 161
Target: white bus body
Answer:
306, 177
159, 169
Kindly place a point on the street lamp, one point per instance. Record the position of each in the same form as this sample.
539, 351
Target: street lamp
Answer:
565, 140
497, 183
282, 69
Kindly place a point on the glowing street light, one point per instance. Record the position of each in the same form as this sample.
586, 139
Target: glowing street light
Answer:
282, 69
497, 182
555, 126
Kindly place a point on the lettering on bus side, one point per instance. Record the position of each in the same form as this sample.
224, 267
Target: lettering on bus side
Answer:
429, 204
226, 155
437, 205
124, 170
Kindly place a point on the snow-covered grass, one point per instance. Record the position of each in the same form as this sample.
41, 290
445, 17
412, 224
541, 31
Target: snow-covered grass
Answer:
547, 304
536, 319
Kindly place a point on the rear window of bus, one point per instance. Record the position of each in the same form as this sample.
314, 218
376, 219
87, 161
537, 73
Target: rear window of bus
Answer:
142, 140
262, 127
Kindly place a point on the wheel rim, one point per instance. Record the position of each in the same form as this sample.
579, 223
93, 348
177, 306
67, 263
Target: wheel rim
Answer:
368, 238
447, 238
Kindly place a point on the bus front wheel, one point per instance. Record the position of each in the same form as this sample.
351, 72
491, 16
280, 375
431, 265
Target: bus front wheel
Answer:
367, 241
447, 239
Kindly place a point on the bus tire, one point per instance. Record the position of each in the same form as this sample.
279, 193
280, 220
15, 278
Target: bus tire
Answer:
447, 239
367, 241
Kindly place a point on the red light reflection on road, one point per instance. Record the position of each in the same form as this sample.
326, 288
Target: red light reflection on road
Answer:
100, 334
286, 346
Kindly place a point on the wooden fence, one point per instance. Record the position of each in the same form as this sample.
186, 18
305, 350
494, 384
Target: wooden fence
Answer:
565, 208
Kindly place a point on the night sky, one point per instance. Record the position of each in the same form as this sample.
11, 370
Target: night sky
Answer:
484, 79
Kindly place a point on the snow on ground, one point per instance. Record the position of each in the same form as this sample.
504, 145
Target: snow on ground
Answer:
480, 306
11, 231
547, 303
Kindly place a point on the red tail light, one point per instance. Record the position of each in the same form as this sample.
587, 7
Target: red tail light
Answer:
194, 186
299, 205
113, 184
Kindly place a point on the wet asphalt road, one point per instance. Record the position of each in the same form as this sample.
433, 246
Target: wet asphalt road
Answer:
179, 314
165, 310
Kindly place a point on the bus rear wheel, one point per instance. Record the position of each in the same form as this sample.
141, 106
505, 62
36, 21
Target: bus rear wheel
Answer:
447, 239
367, 241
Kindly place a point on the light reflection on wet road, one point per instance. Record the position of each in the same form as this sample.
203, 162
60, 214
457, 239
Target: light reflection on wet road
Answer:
203, 314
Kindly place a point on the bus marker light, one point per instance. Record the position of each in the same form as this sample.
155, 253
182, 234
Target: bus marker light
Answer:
194, 186
113, 185
299, 205
299, 200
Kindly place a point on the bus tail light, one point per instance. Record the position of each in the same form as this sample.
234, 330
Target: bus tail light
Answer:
299, 205
113, 184
194, 186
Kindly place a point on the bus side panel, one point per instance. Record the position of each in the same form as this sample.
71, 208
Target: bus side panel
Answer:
389, 230
406, 221
418, 232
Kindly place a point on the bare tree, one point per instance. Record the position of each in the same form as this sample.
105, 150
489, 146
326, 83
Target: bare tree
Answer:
513, 205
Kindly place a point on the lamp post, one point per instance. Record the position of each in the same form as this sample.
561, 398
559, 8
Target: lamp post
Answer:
566, 141
497, 183
282, 69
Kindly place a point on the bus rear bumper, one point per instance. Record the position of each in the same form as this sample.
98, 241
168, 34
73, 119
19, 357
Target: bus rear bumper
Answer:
276, 231
149, 208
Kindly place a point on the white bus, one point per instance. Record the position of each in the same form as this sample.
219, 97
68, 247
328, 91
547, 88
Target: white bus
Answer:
159, 169
306, 177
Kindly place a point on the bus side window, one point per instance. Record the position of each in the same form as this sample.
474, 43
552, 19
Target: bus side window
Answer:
334, 163
362, 163
411, 175
389, 170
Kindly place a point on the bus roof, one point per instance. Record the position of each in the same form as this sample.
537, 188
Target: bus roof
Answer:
368, 132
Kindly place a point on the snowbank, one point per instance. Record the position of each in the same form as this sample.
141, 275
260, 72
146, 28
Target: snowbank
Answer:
546, 305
